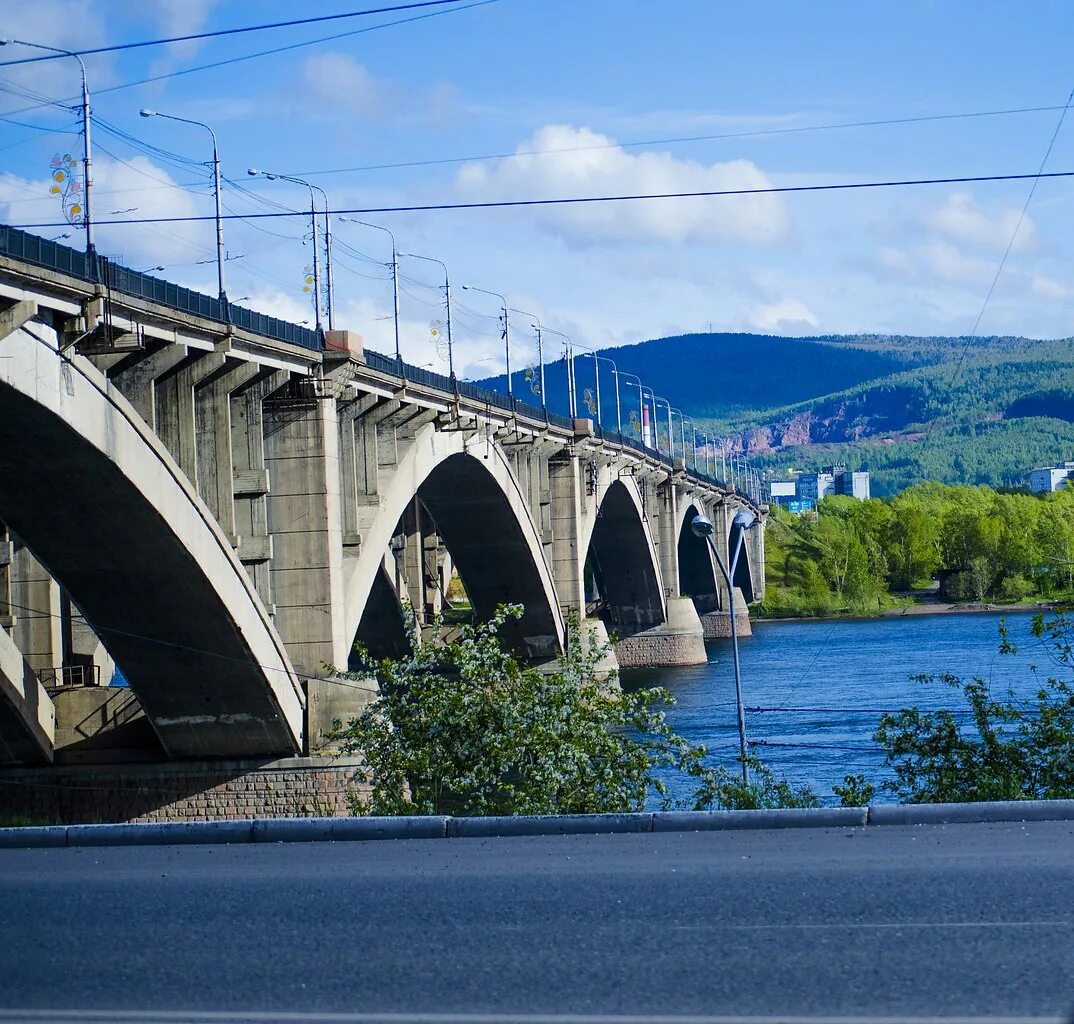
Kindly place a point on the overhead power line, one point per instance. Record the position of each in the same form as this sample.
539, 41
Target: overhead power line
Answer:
263, 53
233, 31
681, 139
579, 200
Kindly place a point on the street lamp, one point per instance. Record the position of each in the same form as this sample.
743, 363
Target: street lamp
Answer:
539, 328
671, 435
254, 172
144, 112
506, 334
447, 303
572, 399
703, 527
87, 147
395, 279
641, 401
597, 360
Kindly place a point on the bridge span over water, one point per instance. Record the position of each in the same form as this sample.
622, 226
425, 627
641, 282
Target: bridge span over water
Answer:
220, 504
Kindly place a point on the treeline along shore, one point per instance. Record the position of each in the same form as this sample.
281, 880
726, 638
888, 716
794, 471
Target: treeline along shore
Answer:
932, 548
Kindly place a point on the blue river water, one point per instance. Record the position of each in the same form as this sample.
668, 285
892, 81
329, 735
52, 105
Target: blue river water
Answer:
815, 690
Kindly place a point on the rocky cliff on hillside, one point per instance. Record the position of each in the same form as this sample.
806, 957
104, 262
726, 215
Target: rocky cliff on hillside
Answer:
870, 413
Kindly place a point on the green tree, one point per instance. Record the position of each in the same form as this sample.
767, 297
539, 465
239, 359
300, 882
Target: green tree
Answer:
913, 540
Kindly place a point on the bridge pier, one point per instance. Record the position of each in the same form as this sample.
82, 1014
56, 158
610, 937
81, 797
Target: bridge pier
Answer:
717, 624
302, 459
679, 640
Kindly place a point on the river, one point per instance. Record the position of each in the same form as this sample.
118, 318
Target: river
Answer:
815, 690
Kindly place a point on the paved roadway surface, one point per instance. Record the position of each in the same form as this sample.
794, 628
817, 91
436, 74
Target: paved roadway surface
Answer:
973, 921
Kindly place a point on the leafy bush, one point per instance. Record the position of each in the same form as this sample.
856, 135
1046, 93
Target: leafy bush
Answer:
993, 750
462, 727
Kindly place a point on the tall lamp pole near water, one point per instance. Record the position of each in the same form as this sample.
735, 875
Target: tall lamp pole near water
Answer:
703, 527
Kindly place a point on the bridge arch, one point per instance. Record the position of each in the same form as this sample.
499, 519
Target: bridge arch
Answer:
621, 556
698, 575
743, 578
480, 513
111, 515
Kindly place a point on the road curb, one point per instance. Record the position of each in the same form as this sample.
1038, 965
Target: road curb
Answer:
313, 830
944, 814
549, 825
713, 821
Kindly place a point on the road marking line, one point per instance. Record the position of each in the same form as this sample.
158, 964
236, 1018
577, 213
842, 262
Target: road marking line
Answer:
278, 1017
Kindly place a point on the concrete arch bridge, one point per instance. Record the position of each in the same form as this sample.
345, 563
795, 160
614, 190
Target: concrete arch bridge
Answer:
219, 504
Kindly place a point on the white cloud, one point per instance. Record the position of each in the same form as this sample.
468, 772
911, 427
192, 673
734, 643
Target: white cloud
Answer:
179, 18
788, 316
346, 86
897, 262
1050, 288
951, 264
962, 220
590, 164
341, 86
139, 188
68, 24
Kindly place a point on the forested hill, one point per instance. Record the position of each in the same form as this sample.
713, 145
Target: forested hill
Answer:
959, 410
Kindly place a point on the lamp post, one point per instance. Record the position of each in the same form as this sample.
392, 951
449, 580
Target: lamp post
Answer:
254, 172
703, 527
144, 112
87, 147
447, 304
671, 435
572, 398
682, 434
618, 409
506, 334
395, 279
641, 402
597, 360
538, 328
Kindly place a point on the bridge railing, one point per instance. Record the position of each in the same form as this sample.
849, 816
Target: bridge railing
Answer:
43, 252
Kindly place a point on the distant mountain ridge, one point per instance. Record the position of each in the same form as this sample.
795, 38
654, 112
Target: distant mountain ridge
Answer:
961, 410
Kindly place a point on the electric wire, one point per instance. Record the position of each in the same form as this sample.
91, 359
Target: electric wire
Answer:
230, 31
679, 140
634, 197
267, 53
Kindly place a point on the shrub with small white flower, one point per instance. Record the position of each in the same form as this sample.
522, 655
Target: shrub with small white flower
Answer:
461, 726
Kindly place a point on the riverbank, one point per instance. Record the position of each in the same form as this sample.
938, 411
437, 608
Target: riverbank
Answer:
917, 609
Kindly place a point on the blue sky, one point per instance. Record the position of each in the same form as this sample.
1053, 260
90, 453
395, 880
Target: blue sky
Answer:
519, 75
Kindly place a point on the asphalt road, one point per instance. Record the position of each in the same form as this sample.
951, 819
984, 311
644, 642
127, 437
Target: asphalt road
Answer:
953, 921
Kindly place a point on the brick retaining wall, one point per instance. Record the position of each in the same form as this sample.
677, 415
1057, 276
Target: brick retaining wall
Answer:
180, 791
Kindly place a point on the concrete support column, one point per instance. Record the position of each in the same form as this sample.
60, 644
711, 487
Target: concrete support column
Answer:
302, 459
35, 600
565, 486
137, 377
664, 513
250, 481
175, 419
7, 574
212, 417
414, 557
432, 583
